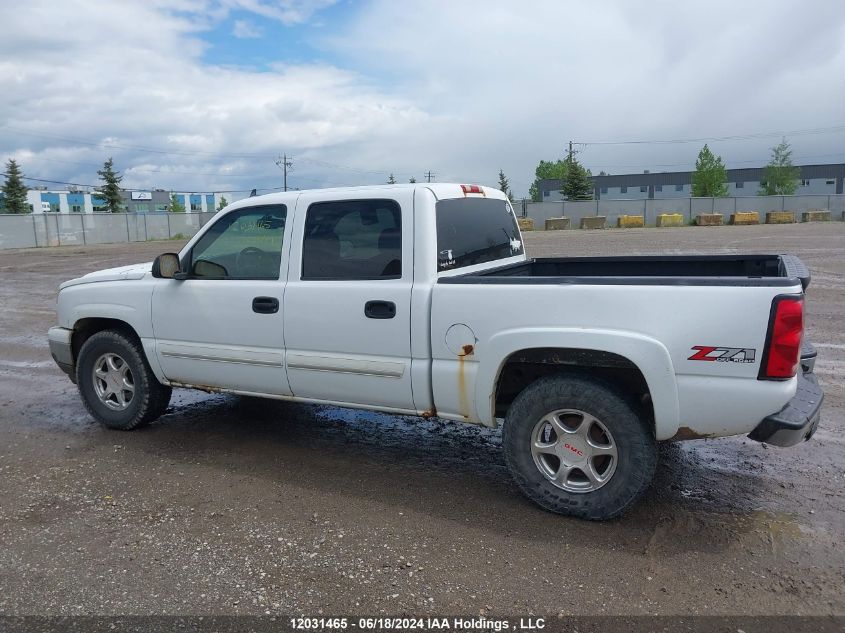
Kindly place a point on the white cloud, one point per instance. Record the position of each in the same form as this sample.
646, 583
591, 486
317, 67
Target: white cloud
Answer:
285, 11
519, 81
461, 90
244, 29
147, 88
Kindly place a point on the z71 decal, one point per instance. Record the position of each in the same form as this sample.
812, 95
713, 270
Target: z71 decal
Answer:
723, 354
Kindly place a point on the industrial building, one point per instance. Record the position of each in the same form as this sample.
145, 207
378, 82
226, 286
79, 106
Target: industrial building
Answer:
814, 179
134, 201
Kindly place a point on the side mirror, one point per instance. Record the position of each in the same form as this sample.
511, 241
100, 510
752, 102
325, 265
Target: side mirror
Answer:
167, 266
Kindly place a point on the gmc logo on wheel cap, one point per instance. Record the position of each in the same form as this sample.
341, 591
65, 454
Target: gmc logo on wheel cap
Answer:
577, 451
723, 354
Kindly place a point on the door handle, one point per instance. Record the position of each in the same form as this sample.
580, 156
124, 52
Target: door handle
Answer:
379, 309
265, 305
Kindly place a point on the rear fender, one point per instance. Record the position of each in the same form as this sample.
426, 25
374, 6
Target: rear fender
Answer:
649, 355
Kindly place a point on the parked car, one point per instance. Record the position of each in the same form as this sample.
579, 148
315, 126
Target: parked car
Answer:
419, 300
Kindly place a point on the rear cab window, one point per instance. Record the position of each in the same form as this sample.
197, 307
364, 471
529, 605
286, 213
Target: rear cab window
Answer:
475, 231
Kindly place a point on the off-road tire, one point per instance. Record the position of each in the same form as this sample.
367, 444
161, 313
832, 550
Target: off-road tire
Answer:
634, 439
150, 399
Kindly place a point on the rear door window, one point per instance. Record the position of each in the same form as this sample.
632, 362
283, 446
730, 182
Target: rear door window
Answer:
353, 239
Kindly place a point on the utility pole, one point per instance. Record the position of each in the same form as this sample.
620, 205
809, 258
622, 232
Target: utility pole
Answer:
570, 152
429, 175
284, 162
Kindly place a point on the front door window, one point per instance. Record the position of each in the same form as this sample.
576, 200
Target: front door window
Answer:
245, 244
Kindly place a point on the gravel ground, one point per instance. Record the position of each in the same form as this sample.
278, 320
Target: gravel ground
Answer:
235, 506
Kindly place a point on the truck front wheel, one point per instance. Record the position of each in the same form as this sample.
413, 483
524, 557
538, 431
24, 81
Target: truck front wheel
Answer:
575, 446
116, 383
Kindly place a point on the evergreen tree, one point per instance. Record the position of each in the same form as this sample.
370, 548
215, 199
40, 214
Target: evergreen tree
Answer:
709, 178
412, 180
391, 180
504, 185
220, 205
781, 176
110, 190
14, 191
578, 184
547, 170
175, 205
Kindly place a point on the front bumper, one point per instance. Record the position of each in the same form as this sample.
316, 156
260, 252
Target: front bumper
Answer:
61, 350
799, 419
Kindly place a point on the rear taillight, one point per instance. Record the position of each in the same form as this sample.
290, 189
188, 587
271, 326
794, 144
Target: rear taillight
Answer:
783, 343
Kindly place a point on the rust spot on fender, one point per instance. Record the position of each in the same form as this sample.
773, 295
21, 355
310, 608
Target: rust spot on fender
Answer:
463, 401
205, 388
467, 350
208, 389
686, 433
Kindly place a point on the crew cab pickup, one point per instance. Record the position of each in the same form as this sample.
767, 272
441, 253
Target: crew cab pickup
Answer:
419, 300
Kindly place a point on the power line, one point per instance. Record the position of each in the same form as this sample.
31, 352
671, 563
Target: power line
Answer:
735, 162
284, 162
472, 179
735, 137
379, 172
87, 186
203, 189
138, 148
145, 170
376, 172
571, 153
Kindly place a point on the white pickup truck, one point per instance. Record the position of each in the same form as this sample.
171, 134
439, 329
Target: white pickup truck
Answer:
419, 300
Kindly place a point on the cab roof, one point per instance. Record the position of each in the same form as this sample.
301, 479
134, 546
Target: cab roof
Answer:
441, 190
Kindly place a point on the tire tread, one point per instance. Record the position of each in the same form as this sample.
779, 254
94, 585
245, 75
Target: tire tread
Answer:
155, 396
561, 391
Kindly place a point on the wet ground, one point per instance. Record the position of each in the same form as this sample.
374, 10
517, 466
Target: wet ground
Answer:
233, 506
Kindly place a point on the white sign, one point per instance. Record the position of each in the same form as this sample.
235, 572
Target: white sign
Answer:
142, 195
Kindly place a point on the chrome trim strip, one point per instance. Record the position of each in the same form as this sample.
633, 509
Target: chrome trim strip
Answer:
359, 367
218, 359
348, 371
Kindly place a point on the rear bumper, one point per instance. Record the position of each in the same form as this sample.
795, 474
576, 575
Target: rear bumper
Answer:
61, 350
799, 419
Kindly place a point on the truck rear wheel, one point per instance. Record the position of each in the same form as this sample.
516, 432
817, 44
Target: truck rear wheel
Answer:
575, 446
116, 383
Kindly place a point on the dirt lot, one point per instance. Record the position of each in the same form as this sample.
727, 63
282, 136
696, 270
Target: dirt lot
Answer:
230, 506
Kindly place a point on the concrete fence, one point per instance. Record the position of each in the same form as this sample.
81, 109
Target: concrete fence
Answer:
66, 229
649, 209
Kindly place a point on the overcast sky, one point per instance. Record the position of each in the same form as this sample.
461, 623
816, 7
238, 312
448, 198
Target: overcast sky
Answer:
201, 95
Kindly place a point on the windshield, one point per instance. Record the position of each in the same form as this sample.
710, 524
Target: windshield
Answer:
475, 230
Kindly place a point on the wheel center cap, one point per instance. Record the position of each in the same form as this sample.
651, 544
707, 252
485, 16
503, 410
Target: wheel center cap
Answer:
574, 450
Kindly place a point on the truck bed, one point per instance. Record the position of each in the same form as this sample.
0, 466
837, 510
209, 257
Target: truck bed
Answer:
693, 270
